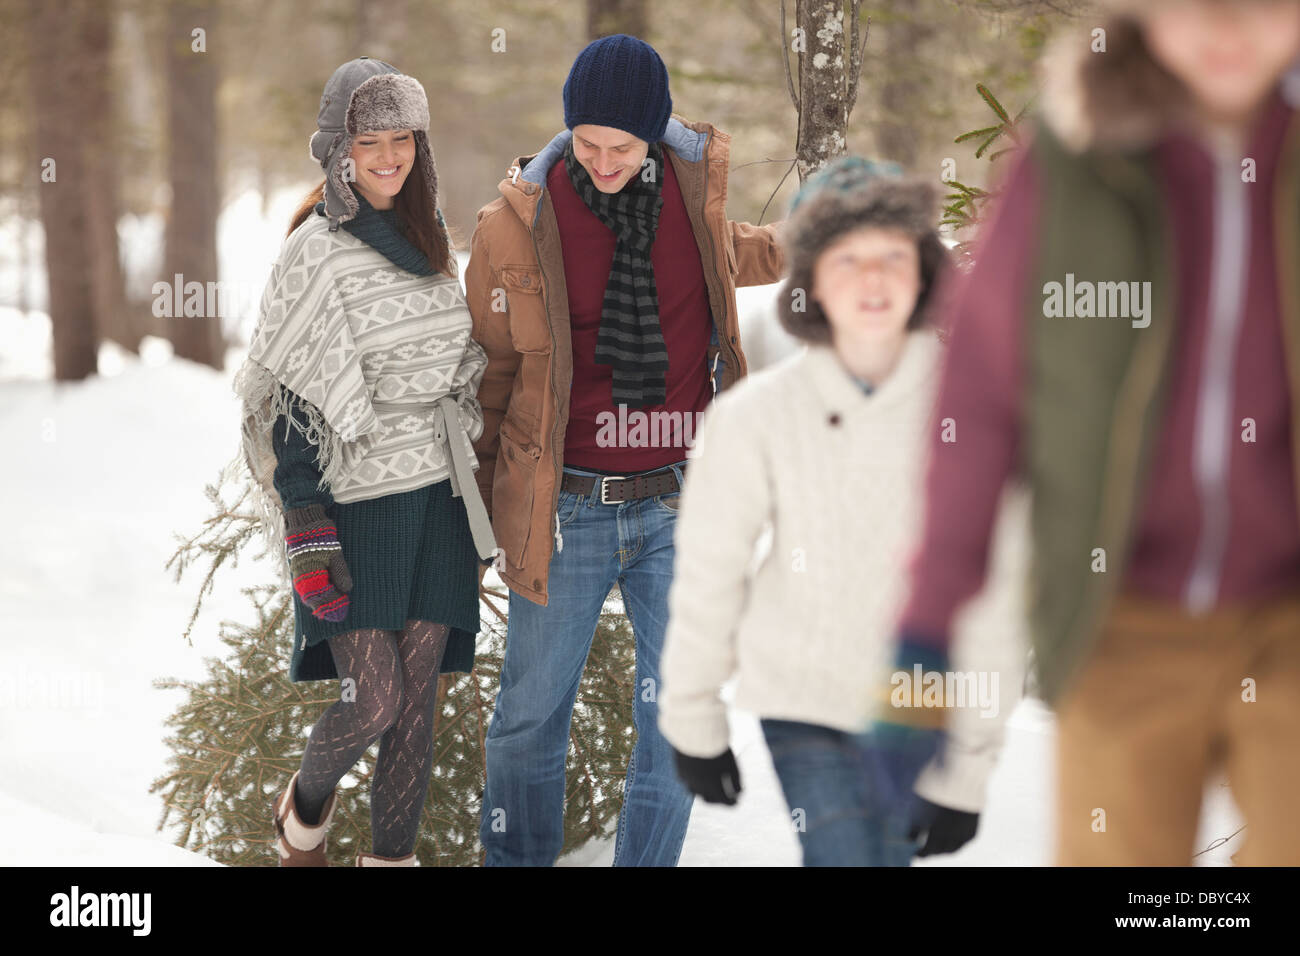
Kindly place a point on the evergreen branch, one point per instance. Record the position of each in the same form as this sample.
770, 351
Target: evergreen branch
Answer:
979, 152
976, 133
992, 101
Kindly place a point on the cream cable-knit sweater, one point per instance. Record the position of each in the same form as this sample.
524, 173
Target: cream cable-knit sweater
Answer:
798, 455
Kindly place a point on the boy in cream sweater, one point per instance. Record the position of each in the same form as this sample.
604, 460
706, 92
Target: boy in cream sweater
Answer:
825, 450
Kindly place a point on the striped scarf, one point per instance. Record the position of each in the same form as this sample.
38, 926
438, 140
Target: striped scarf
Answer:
630, 339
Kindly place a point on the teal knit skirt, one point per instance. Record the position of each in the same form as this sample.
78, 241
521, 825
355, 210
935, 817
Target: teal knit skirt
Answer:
412, 557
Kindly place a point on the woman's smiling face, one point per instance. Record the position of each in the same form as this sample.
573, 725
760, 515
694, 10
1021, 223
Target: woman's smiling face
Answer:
382, 160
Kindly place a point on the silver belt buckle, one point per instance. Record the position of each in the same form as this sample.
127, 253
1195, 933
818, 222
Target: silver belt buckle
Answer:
603, 479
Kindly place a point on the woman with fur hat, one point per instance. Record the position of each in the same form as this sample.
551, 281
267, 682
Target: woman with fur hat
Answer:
824, 452
1160, 438
359, 414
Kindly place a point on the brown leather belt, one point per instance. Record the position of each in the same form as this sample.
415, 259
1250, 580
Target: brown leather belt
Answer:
614, 488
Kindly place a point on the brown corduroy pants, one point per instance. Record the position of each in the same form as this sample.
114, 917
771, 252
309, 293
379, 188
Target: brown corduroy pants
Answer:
1165, 699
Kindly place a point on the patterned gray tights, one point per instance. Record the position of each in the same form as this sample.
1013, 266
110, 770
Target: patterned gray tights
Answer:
394, 683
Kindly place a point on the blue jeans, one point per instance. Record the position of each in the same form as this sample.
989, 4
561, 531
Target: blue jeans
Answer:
522, 824
832, 800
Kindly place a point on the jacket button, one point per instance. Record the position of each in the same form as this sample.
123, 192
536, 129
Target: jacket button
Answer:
526, 281
733, 340
835, 418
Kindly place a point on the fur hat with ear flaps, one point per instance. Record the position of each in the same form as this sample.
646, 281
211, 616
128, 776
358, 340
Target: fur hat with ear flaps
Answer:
848, 194
365, 95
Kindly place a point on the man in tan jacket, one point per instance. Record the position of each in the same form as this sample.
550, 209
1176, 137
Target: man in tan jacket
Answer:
602, 285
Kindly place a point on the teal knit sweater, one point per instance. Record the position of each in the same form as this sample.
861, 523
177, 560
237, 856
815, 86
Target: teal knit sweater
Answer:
296, 473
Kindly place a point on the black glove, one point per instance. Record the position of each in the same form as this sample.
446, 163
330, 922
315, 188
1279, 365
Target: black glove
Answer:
946, 830
716, 779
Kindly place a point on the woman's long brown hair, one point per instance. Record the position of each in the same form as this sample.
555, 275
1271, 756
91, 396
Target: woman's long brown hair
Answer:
414, 214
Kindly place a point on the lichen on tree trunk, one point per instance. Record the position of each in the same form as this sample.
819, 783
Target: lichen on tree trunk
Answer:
830, 62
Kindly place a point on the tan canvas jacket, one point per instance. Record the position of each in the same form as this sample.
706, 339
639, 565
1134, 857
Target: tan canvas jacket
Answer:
516, 266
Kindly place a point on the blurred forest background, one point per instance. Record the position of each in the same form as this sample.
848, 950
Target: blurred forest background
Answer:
176, 107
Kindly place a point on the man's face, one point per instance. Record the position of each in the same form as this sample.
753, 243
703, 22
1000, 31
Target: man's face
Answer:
610, 156
1228, 54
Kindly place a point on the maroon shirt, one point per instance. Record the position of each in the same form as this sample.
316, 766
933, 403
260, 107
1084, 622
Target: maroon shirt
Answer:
684, 319
1263, 544
983, 383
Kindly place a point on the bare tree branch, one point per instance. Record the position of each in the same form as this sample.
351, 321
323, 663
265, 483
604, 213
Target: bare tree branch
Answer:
857, 56
785, 62
777, 190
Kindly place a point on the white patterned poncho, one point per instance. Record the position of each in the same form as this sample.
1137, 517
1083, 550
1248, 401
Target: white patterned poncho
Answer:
384, 363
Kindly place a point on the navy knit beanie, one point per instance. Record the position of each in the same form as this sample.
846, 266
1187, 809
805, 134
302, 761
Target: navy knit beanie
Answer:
619, 81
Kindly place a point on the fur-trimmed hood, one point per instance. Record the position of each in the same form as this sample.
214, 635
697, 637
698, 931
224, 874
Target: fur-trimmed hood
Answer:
1118, 101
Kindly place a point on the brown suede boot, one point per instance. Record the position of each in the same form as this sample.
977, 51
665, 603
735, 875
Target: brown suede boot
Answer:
370, 859
298, 843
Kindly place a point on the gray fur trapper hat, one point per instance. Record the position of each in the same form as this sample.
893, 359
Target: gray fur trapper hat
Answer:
362, 95
851, 193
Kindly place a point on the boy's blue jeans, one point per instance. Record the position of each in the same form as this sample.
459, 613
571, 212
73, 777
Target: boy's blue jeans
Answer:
833, 802
522, 823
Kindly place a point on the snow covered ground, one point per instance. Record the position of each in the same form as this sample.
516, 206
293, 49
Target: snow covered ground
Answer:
109, 469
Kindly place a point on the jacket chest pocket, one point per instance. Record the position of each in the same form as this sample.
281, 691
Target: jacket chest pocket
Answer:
529, 329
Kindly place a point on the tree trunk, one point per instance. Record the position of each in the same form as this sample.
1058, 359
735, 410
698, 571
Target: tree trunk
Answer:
58, 73
902, 85
108, 289
823, 87
191, 243
27, 211
606, 17
382, 29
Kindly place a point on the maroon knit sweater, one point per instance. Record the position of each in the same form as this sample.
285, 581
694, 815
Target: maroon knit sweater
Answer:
684, 319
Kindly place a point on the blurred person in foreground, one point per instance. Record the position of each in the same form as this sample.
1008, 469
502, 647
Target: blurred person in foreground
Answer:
827, 448
1129, 341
